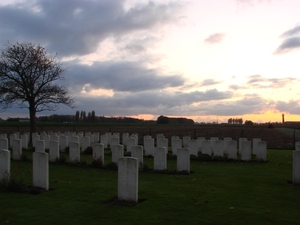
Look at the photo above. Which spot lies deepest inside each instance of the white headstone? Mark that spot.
(128, 175)
(40, 170)
(149, 146)
(199, 141)
(117, 152)
(206, 147)
(130, 142)
(261, 150)
(232, 149)
(185, 141)
(54, 153)
(98, 152)
(226, 139)
(176, 144)
(63, 143)
(74, 152)
(4, 143)
(85, 143)
(183, 159)
(218, 149)
(137, 151)
(160, 158)
(16, 149)
(296, 167)
(125, 136)
(24, 140)
(255, 145)
(39, 146)
(4, 163)
(193, 147)
(245, 150)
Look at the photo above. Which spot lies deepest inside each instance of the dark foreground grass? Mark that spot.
(215, 193)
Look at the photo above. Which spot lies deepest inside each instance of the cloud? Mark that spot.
(215, 38)
(209, 82)
(290, 42)
(288, 45)
(77, 27)
(119, 76)
(258, 81)
(291, 32)
(292, 106)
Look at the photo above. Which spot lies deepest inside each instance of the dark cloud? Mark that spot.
(121, 76)
(292, 107)
(258, 81)
(288, 45)
(249, 105)
(290, 42)
(77, 27)
(291, 32)
(215, 38)
(209, 82)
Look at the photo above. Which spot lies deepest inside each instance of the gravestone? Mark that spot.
(4, 143)
(24, 141)
(183, 159)
(85, 143)
(12, 137)
(117, 152)
(232, 149)
(63, 143)
(114, 141)
(225, 141)
(46, 139)
(35, 137)
(103, 140)
(241, 142)
(74, 152)
(98, 152)
(206, 147)
(185, 141)
(296, 167)
(125, 136)
(245, 150)
(40, 170)
(137, 152)
(160, 158)
(128, 175)
(218, 149)
(130, 142)
(255, 145)
(261, 150)
(163, 142)
(149, 146)
(4, 164)
(54, 153)
(199, 141)
(193, 147)
(39, 146)
(175, 145)
(16, 149)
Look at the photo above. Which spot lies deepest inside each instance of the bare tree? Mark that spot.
(29, 78)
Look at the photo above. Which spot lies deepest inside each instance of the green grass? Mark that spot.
(215, 193)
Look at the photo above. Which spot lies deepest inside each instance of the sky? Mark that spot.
(204, 60)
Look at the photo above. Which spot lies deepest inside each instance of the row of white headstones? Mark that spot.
(128, 167)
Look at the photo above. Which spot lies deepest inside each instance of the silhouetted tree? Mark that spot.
(28, 78)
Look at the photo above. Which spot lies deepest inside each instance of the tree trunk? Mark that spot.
(32, 113)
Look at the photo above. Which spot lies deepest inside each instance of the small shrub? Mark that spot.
(88, 151)
(97, 163)
(24, 158)
(12, 185)
(111, 166)
(61, 160)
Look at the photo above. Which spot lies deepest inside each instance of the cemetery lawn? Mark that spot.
(214, 193)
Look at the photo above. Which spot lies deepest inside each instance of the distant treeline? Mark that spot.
(168, 120)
